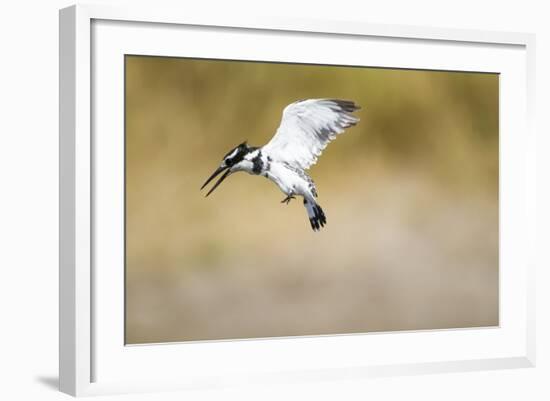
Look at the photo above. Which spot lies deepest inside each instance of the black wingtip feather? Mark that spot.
(346, 105)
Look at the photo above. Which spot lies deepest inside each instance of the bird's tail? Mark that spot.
(316, 215)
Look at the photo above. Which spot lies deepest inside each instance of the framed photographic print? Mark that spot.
(265, 200)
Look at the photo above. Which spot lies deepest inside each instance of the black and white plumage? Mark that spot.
(306, 128)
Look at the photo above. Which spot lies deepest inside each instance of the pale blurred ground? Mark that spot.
(411, 197)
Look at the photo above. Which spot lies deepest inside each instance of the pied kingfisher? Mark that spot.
(306, 128)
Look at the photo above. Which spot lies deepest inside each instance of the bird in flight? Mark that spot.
(306, 128)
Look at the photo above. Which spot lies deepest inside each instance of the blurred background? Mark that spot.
(410, 194)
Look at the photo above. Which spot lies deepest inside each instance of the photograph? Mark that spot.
(266, 199)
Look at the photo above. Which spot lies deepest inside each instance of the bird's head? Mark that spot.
(229, 164)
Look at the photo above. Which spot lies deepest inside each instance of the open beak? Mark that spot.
(223, 177)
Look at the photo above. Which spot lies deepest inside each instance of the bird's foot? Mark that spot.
(288, 198)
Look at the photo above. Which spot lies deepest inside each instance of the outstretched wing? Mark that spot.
(306, 129)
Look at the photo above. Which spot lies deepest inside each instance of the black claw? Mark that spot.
(288, 198)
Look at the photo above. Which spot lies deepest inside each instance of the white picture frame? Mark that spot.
(93, 357)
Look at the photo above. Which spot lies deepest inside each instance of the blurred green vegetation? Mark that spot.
(417, 177)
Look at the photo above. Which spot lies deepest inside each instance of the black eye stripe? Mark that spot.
(242, 150)
(235, 159)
